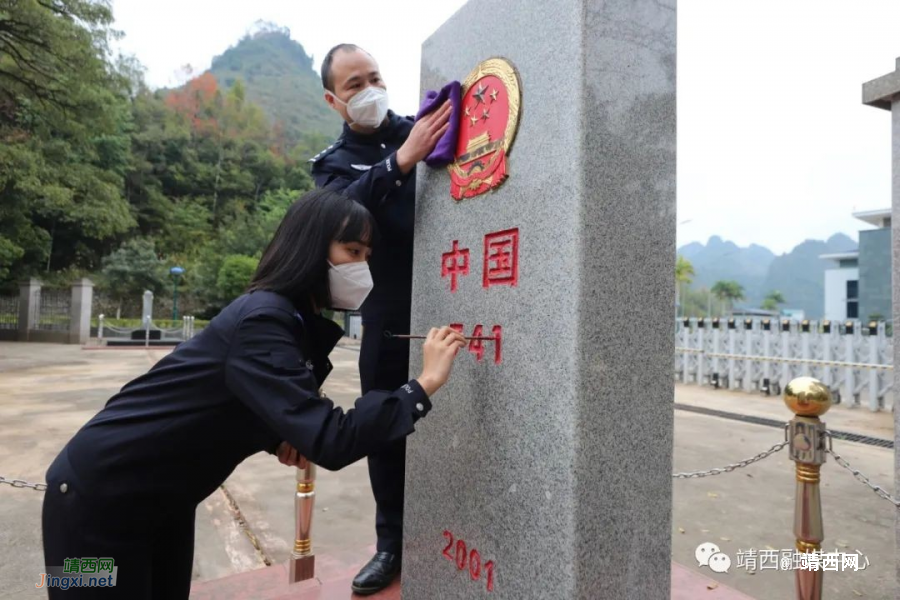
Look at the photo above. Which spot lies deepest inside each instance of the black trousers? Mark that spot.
(153, 548)
(384, 365)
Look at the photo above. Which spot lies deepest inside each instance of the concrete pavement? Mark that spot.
(48, 391)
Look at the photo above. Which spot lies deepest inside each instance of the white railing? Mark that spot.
(853, 359)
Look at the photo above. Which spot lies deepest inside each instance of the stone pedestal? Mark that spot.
(80, 315)
(147, 309)
(544, 470)
(884, 92)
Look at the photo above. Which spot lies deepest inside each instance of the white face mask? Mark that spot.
(350, 284)
(368, 107)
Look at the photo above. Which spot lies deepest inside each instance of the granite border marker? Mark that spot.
(554, 465)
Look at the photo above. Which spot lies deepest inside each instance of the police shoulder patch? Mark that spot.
(337, 144)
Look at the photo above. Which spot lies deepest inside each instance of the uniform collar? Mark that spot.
(386, 132)
(324, 333)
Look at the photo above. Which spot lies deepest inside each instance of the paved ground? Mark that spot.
(48, 391)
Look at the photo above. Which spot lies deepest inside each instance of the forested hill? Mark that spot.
(279, 77)
(102, 177)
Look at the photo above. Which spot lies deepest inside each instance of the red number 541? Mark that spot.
(476, 347)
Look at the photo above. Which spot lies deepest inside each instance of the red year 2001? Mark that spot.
(461, 556)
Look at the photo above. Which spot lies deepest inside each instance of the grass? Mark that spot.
(46, 320)
(138, 324)
(95, 322)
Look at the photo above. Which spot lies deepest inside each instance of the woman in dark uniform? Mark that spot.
(127, 485)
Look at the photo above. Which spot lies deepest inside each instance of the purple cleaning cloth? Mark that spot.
(445, 151)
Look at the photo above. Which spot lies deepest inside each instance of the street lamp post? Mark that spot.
(176, 273)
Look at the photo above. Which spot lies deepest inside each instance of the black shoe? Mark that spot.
(377, 574)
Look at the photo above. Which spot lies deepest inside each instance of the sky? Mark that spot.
(774, 143)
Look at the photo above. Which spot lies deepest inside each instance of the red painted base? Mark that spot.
(333, 583)
(271, 584)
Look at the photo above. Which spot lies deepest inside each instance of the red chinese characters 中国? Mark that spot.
(455, 263)
(501, 258)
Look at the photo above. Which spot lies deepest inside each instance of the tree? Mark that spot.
(235, 276)
(188, 228)
(684, 273)
(231, 140)
(52, 50)
(728, 292)
(695, 303)
(773, 300)
(64, 136)
(131, 270)
(9, 254)
(90, 157)
(684, 270)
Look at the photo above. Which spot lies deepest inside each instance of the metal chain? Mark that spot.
(859, 476)
(41, 487)
(731, 467)
(21, 483)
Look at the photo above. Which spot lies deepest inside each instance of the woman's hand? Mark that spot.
(439, 351)
(288, 455)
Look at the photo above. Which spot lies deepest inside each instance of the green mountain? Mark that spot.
(279, 77)
(719, 260)
(798, 274)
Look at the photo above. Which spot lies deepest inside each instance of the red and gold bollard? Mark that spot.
(303, 561)
(808, 398)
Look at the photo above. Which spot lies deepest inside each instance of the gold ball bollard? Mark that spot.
(303, 561)
(808, 398)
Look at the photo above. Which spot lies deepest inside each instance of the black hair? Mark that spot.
(327, 83)
(295, 263)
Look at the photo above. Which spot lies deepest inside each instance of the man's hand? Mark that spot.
(424, 137)
(288, 455)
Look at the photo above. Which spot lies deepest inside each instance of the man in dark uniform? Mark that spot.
(374, 162)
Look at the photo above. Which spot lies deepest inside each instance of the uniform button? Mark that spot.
(419, 407)
(309, 365)
(399, 183)
(63, 488)
(383, 146)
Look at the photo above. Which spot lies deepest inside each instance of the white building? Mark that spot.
(858, 285)
(842, 286)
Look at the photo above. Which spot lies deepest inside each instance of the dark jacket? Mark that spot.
(248, 381)
(364, 167)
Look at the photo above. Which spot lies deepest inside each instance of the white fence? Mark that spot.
(854, 359)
